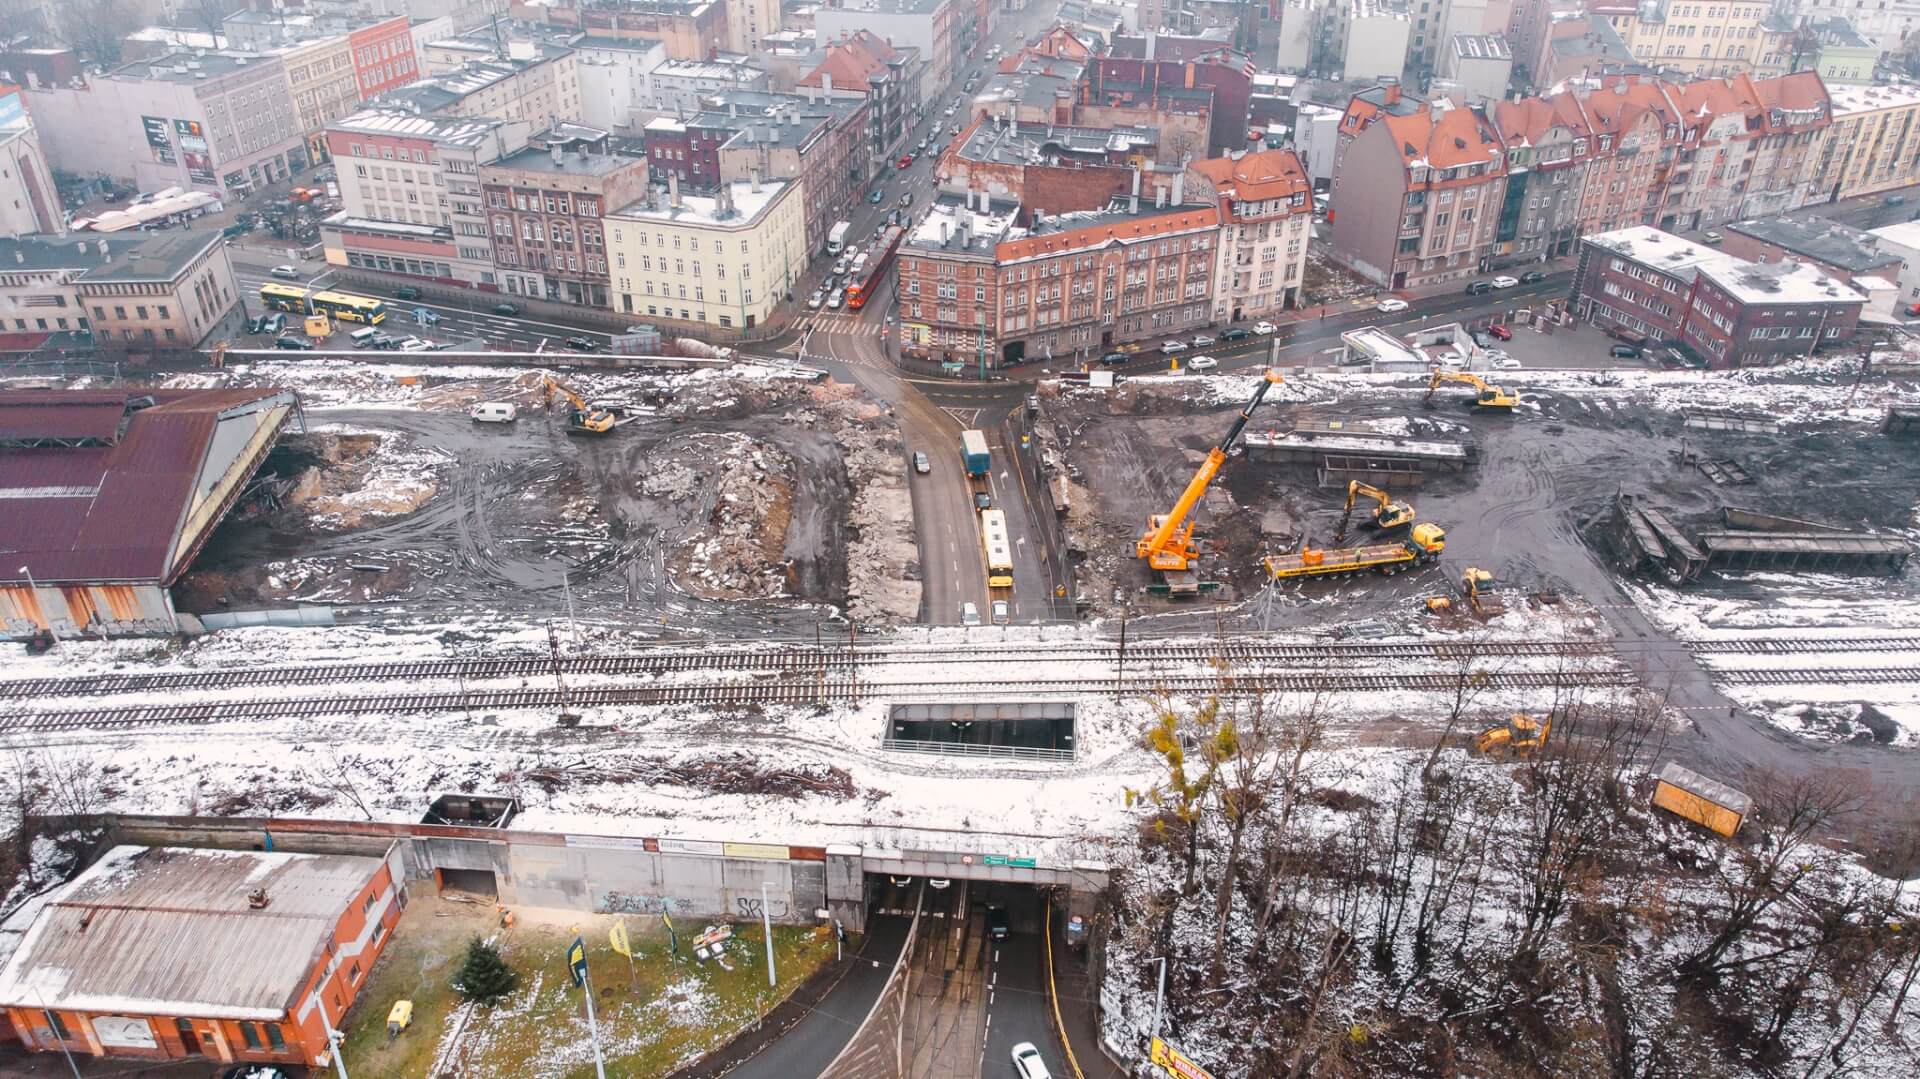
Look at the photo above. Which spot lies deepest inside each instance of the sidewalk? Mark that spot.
(1078, 1003)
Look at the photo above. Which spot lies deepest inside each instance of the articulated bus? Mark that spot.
(993, 526)
(341, 305)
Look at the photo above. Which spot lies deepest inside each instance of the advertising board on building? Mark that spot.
(193, 148)
(160, 138)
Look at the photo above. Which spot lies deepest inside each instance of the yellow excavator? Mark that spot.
(1168, 543)
(1519, 736)
(582, 418)
(1491, 396)
(1476, 585)
(1389, 514)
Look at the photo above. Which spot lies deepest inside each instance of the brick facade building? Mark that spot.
(545, 205)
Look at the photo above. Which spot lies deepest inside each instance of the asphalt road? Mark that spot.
(1017, 1009)
(813, 1042)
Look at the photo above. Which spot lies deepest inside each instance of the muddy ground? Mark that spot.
(1523, 513)
(723, 503)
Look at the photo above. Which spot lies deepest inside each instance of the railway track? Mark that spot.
(789, 661)
(820, 691)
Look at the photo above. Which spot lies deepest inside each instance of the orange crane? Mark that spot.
(1168, 543)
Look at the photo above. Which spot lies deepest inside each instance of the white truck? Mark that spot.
(837, 239)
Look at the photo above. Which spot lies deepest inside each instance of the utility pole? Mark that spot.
(1159, 997)
(53, 1028)
(766, 925)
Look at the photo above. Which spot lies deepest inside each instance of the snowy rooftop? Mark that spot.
(950, 216)
(1848, 99)
(1382, 347)
(448, 130)
(170, 931)
(706, 210)
(1905, 233)
(1663, 251)
(1779, 282)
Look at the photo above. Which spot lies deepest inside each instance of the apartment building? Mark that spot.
(1902, 240)
(615, 93)
(750, 20)
(144, 292)
(1703, 37)
(1873, 144)
(820, 140)
(1647, 285)
(888, 77)
(1266, 225)
(324, 84)
(1441, 165)
(410, 191)
(1549, 146)
(725, 259)
(546, 205)
(536, 83)
(690, 29)
(1479, 66)
(29, 201)
(679, 86)
(1053, 168)
(222, 122)
(973, 290)
(927, 26)
(1844, 253)
(1884, 24)
(383, 56)
(1842, 56)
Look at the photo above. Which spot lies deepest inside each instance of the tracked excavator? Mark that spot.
(1389, 514)
(1168, 543)
(1520, 736)
(582, 418)
(1495, 398)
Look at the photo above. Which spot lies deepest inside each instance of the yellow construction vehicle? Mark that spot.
(1519, 736)
(1477, 586)
(1491, 396)
(1423, 545)
(1168, 543)
(1388, 514)
(582, 418)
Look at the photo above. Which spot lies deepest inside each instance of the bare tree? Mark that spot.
(211, 15)
(96, 28)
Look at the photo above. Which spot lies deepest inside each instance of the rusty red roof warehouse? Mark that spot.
(109, 496)
(229, 955)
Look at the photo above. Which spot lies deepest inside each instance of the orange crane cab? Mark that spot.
(1168, 543)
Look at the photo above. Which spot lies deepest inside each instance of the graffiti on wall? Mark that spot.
(750, 908)
(615, 902)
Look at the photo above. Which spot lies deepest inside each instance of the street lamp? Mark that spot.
(32, 586)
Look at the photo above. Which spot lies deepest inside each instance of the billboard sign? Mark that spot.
(13, 110)
(159, 138)
(192, 140)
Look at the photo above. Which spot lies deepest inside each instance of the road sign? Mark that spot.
(577, 961)
(1016, 863)
(1174, 1064)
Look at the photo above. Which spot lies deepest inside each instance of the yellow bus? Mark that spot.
(993, 527)
(343, 306)
(350, 308)
(284, 298)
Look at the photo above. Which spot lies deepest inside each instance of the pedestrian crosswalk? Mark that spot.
(841, 325)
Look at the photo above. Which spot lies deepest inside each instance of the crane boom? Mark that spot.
(1168, 543)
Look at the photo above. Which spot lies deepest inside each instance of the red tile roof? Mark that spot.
(104, 512)
(1269, 174)
(1098, 235)
(850, 61)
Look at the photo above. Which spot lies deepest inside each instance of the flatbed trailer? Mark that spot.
(1383, 558)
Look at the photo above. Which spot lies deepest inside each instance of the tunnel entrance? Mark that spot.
(1026, 730)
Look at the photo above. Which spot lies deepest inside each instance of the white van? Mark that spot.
(494, 412)
(363, 338)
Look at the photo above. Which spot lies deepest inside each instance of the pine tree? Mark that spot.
(484, 977)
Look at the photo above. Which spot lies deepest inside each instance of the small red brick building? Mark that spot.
(165, 953)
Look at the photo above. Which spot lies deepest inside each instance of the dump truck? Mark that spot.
(1422, 546)
(973, 453)
(1701, 800)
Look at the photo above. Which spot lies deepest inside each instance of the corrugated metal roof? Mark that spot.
(168, 931)
(64, 415)
(106, 513)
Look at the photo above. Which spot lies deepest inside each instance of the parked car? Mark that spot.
(290, 273)
(1235, 333)
(1479, 288)
(969, 615)
(1265, 328)
(1114, 359)
(275, 323)
(1624, 352)
(1172, 347)
(1506, 363)
(1501, 331)
(1027, 1063)
(1202, 363)
(877, 195)
(906, 161)
(493, 412)
(256, 324)
(1895, 200)
(406, 292)
(505, 310)
(921, 463)
(1495, 355)
(1201, 340)
(235, 230)
(414, 344)
(1503, 281)
(583, 344)
(1711, 237)
(1390, 305)
(814, 301)
(1033, 404)
(1002, 612)
(300, 343)
(1532, 276)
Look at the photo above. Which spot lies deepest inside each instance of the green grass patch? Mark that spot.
(668, 1010)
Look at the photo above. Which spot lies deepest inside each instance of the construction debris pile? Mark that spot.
(744, 490)
(361, 476)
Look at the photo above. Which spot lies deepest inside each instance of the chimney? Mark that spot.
(103, 247)
(1392, 91)
(673, 190)
(1133, 200)
(19, 255)
(944, 226)
(826, 83)
(753, 176)
(733, 108)
(1179, 185)
(1151, 36)
(1036, 219)
(1159, 196)
(559, 155)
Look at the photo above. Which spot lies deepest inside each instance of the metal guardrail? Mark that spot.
(964, 749)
